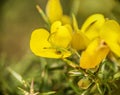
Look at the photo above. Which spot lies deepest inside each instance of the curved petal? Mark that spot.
(61, 38)
(55, 26)
(60, 35)
(94, 54)
(110, 32)
(79, 41)
(92, 26)
(54, 10)
(41, 47)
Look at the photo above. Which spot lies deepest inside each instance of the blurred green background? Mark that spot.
(18, 18)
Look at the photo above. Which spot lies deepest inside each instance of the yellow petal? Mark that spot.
(92, 26)
(110, 32)
(55, 26)
(41, 47)
(61, 38)
(66, 19)
(94, 54)
(79, 41)
(54, 10)
(69, 27)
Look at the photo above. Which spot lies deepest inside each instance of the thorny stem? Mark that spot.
(31, 87)
(43, 15)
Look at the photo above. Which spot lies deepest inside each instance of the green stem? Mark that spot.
(43, 15)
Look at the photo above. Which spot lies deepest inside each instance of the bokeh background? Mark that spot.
(18, 18)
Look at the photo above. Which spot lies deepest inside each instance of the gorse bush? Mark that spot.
(68, 59)
(96, 46)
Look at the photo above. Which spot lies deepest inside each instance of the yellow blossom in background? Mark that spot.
(94, 54)
(51, 45)
(54, 12)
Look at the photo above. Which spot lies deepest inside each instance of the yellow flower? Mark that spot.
(88, 38)
(96, 51)
(51, 45)
(110, 32)
(92, 26)
(104, 36)
(89, 31)
(54, 12)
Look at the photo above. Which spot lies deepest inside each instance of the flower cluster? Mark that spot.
(92, 50)
(94, 41)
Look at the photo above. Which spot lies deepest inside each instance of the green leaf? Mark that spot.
(117, 75)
